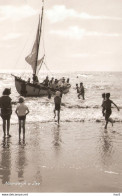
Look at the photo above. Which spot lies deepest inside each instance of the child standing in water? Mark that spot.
(107, 105)
(81, 91)
(57, 101)
(21, 111)
(6, 110)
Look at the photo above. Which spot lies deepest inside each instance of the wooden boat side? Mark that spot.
(31, 90)
(34, 90)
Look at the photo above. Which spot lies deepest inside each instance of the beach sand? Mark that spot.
(72, 157)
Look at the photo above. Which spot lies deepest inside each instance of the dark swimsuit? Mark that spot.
(108, 113)
(57, 107)
(57, 103)
(22, 117)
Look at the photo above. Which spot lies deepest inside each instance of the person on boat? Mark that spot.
(64, 83)
(107, 105)
(57, 101)
(6, 110)
(55, 84)
(21, 111)
(46, 81)
(68, 80)
(103, 108)
(52, 80)
(81, 91)
(50, 84)
(35, 79)
(59, 83)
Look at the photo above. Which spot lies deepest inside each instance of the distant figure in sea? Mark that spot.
(6, 110)
(107, 111)
(21, 111)
(81, 91)
(103, 107)
(57, 101)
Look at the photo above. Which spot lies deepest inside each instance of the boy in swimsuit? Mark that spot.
(107, 105)
(81, 91)
(21, 111)
(57, 101)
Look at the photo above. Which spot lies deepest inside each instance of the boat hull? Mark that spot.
(34, 90)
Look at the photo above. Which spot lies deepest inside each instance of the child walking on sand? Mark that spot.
(21, 111)
(57, 101)
(107, 105)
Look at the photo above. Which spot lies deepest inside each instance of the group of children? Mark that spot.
(6, 112)
(22, 110)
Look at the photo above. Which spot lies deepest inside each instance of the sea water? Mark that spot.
(72, 109)
(78, 155)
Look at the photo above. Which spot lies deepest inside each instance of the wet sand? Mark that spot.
(72, 157)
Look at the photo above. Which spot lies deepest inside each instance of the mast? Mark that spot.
(39, 33)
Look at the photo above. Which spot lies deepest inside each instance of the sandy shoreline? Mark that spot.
(72, 157)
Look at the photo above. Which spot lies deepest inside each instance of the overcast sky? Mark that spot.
(79, 35)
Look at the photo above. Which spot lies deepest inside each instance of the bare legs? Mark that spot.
(6, 123)
(82, 94)
(58, 114)
(22, 125)
(108, 119)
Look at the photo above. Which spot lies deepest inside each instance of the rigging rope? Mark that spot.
(24, 45)
(45, 61)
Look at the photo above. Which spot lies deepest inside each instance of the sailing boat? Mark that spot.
(36, 89)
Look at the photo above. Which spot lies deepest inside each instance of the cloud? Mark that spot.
(16, 13)
(11, 36)
(6, 45)
(83, 55)
(78, 33)
(71, 32)
(59, 13)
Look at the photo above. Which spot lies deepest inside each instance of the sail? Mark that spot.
(40, 62)
(32, 58)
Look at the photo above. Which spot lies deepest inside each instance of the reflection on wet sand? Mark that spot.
(57, 137)
(106, 148)
(5, 161)
(58, 158)
(21, 160)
